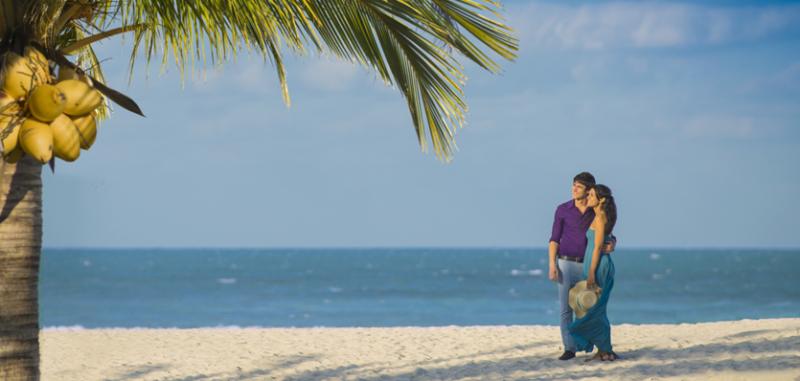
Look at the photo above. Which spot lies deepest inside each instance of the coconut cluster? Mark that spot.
(43, 116)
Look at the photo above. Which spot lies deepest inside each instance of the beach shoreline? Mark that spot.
(764, 349)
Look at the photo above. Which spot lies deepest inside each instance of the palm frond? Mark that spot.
(88, 61)
(210, 30)
(410, 44)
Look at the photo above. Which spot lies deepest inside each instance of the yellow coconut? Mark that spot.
(40, 63)
(81, 98)
(46, 102)
(13, 156)
(36, 138)
(5, 100)
(66, 141)
(10, 140)
(87, 128)
(18, 76)
(9, 133)
(8, 109)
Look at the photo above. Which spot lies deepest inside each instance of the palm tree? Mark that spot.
(410, 44)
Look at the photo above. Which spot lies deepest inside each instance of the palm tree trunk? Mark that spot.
(20, 247)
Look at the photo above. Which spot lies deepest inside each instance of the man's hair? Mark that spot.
(585, 178)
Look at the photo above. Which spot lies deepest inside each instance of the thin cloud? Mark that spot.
(784, 82)
(247, 75)
(719, 126)
(649, 25)
(328, 74)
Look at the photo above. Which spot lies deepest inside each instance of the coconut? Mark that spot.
(66, 141)
(87, 128)
(23, 73)
(8, 109)
(81, 98)
(40, 63)
(36, 139)
(19, 77)
(46, 102)
(5, 101)
(9, 133)
(10, 140)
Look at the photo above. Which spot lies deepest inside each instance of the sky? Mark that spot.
(688, 111)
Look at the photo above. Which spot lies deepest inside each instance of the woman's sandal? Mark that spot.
(604, 356)
(597, 356)
(609, 356)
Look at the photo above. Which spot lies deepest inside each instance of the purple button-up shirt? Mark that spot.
(569, 229)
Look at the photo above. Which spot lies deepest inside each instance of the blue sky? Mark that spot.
(690, 112)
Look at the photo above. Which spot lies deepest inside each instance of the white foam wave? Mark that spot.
(65, 328)
(75, 328)
(226, 280)
(522, 272)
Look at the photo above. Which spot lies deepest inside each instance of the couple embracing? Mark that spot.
(579, 250)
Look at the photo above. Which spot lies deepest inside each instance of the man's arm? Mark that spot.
(552, 250)
(610, 245)
(553, 269)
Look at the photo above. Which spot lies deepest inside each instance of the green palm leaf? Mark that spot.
(410, 44)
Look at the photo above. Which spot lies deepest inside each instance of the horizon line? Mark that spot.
(418, 247)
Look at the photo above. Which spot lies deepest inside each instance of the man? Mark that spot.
(567, 248)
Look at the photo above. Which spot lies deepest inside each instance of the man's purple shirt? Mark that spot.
(569, 229)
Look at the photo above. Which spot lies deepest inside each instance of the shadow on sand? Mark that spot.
(689, 362)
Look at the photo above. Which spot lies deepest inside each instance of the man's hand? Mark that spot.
(553, 273)
(609, 246)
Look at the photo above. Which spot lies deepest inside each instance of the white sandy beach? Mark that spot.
(741, 350)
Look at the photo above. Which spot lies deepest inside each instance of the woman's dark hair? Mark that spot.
(586, 179)
(610, 207)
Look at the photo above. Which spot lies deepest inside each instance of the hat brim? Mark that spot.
(580, 309)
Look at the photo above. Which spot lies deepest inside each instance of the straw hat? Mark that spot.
(581, 298)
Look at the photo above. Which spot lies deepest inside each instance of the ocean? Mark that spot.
(190, 288)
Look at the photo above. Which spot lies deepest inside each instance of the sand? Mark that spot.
(740, 350)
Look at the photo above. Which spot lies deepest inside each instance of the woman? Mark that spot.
(593, 329)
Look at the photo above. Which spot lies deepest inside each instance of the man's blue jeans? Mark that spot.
(569, 273)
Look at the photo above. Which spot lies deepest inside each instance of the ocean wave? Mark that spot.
(79, 328)
(74, 328)
(65, 328)
(522, 272)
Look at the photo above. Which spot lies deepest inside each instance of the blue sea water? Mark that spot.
(397, 287)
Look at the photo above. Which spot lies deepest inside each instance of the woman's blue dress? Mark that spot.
(593, 328)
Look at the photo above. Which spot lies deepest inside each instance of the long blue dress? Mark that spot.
(594, 328)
